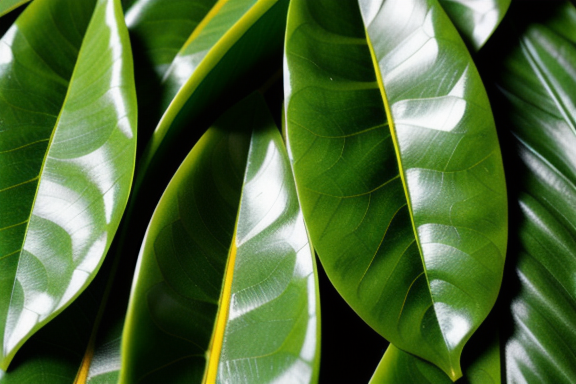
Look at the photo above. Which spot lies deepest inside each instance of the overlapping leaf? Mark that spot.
(398, 168)
(198, 77)
(255, 36)
(67, 109)
(101, 356)
(537, 321)
(476, 20)
(398, 366)
(225, 287)
(162, 28)
(538, 83)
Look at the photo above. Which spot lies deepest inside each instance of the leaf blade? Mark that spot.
(353, 165)
(239, 164)
(536, 74)
(83, 168)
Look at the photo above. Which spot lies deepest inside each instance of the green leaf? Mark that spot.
(537, 85)
(398, 169)
(225, 287)
(252, 39)
(7, 6)
(67, 145)
(476, 20)
(217, 24)
(54, 354)
(171, 40)
(537, 323)
(398, 366)
(162, 28)
(480, 361)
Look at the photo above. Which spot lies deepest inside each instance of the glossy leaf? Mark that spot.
(218, 23)
(171, 41)
(225, 288)
(480, 362)
(398, 366)
(253, 36)
(163, 27)
(540, 294)
(54, 354)
(101, 360)
(398, 168)
(537, 84)
(476, 20)
(10, 5)
(251, 43)
(67, 105)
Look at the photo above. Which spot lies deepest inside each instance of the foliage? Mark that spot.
(156, 227)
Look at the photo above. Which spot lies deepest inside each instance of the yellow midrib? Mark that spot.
(82, 374)
(394, 138)
(200, 27)
(401, 169)
(215, 349)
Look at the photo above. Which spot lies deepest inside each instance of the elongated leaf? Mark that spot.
(163, 27)
(253, 37)
(67, 148)
(476, 20)
(158, 29)
(171, 41)
(398, 168)
(537, 325)
(537, 83)
(255, 40)
(222, 17)
(53, 355)
(10, 5)
(225, 288)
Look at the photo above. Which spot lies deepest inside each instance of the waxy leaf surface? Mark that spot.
(67, 145)
(398, 366)
(197, 78)
(398, 168)
(225, 288)
(537, 83)
(101, 361)
(476, 20)
(162, 28)
(535, 319)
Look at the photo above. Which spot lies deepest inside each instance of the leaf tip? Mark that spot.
(455, 372)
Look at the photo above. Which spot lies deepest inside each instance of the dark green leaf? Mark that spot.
(171, 41)
(537, 84)
(398, 168)
(67, 110)
(253, 37)
(225, 286)
(476, 20)
(163, 27)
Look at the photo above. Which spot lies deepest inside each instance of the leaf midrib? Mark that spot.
(543, 75)
(402, 173)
